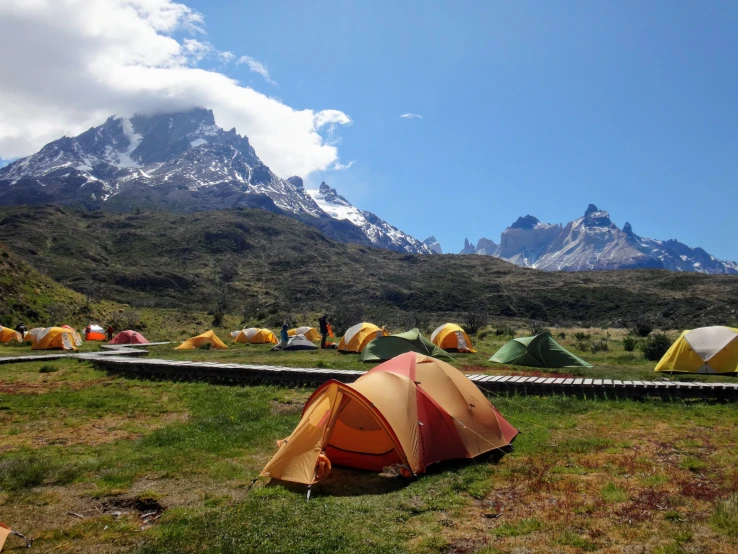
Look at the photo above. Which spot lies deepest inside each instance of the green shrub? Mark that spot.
(599, 346)
(580, 336)
(655, 346)
(538, 328)
(629, 343)
(48, 368)
(206, 346)
(506, 331)
(482, 333)
(562, 335)
(582, 345)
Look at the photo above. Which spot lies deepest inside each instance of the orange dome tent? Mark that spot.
(308, 332)
(52, 338)
(7, 334)
(412, 411)
(208, 337)
(129, 337)
(357, 337)
(254, 336)
(453, 338)
(95, 333)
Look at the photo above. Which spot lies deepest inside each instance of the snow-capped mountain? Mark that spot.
(178, 162)
(379, 232)
(433, 244)
(594, 242)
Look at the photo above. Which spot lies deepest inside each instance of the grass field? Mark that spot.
(96, 463)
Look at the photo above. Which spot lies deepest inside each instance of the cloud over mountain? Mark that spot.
(68, 64)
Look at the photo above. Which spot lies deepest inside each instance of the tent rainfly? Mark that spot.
(358, 336)
(96, 333)
(703, 350)
(129, 337)
(538, 351)
(208, 337)
(7, 334)
(308, 332)
(385, 348)
(53, 338)
(411, 411)
(299, 342)
(254, 336)
(451, 337)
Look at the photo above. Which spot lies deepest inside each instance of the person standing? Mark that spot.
(109, 331)
(22, 329)
(323, 323)
(284, 336)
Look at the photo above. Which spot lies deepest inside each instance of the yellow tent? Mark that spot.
(7, 334)
(357, 337)
(52, 338)
(411, 411)
(703, 350)
(309, 332)
(254, 336)
(208, 337)
(451, 337)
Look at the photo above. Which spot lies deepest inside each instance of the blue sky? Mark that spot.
(527, 107)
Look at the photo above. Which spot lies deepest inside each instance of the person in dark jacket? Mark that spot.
(109, 331)
(22, 329)
(323, 323)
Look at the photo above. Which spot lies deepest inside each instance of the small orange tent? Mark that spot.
(412, 410)
(358, 336)
(208, 337)
(254, 336)
(452, 338)
(7, 334)
(308, 332)
(52, 338)
(95, 333)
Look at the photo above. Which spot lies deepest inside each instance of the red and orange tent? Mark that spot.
(412, 411)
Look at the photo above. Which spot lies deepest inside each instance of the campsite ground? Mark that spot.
(91, 462)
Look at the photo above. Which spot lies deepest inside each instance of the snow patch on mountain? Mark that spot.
(379, 232)
(594, 242)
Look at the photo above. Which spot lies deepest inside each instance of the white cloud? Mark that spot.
(69, 64)
(411, 116)
(257, 67)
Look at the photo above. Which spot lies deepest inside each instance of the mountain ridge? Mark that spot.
(179, 162)
(594, 242)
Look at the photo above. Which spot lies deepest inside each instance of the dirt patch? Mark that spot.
(100, 431)
(287, 407)
(47, 385)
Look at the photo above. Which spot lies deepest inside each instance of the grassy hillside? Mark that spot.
(253, 260)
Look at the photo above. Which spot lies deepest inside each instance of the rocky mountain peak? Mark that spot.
(296, 182)
(468, 248)
(525, 222)
(486, 246)
(594, 217)
(628, 230)
(432, 243)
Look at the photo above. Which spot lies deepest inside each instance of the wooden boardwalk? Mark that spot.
(496, 384)
(132, 360)
(67, 354)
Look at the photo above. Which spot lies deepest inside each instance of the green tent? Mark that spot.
(386, 348)
(539, 351)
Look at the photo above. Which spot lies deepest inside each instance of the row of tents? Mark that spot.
(66, 337)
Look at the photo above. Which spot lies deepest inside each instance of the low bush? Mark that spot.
(48, 368)
(206, 346)
(599, 346)
(580, 336)
(474, 321)
(562, 335)
(582, 345)
(538, 328)
(629, 343)
(655, 346)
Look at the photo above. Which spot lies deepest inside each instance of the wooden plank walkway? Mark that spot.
(496, 384)
(67, 354)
